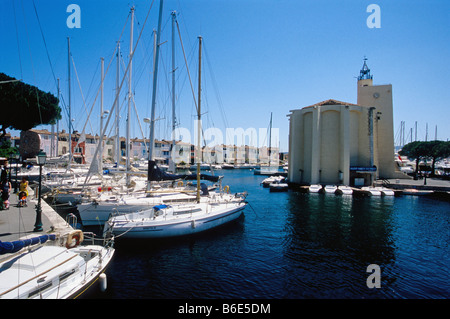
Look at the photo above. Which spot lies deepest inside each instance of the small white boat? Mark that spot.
(385, 191)
(372, 191)
(278, 187)
(344, 190)
(330, 189)
(227, 166)
(272, 179)
(53, 272)
(417, 192)
(163, 221)
(315, 188)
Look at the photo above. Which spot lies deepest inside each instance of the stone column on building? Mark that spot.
(315, 147)
(344, 162)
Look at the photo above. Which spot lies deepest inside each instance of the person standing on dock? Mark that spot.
(23, 192)
(5, 189)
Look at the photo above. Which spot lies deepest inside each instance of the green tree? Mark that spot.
(436, 150)
(25, 106)
(6, 150)
(414, 151)
(439, 150)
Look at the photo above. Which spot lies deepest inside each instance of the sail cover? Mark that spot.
(15, 246)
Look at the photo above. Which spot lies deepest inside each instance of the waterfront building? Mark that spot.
(335, 142)
(182, 153)
(251, 154)
(84, 146)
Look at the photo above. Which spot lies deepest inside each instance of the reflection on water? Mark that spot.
(296, 245)
(330, 241)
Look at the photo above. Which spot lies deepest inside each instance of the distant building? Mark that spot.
(84, 148)
(335, 142)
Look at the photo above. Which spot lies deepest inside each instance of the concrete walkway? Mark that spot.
(18, 222)
(434, 184)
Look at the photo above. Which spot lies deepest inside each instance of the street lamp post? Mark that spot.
(40, 159)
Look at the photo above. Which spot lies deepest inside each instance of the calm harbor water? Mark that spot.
(295, 245)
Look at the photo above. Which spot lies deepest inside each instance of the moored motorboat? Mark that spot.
(330, 189)
(227, 166)
(278, 187)
(272, 179)
(315, 188)
(344, 190)
(417, 192)
(371, 191)
(385, 191)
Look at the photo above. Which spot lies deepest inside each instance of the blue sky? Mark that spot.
(260, 56)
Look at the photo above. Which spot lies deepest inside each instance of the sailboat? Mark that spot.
(40, 268)
(171, 189)
(270, 169)
(162, 221)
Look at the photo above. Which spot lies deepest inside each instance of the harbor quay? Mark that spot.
(435, 187)
(430, 184)
(18, 223)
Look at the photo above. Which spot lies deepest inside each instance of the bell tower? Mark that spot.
(379, 97)
(365, 78)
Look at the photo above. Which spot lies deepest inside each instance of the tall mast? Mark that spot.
(70, 111)
(270, 138)
(415, 132)
(52, 141)
(100, 156)
(129, 102)
(155, 73)
(118, 153)
(57, 123)
(171, 160)
(199, 125)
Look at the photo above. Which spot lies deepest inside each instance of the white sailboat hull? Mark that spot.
(53, 272)
(172, 227)
(95, 213)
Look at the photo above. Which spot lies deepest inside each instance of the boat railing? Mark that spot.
(115, 212)
(90, 237)
(71, 220)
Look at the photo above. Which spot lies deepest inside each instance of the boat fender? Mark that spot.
(226, 189)
(77, 235)
(103, 282)
(193, 224)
